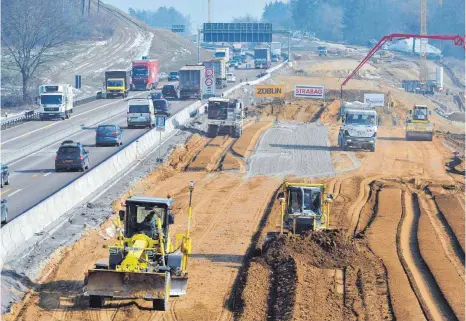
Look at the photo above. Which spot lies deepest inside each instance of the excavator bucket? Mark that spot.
(109, 283)
(419, 131)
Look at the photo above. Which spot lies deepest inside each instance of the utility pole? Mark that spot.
(209, 9)
(98, 6)
(82, 7)
(199, 45)
(89, 7)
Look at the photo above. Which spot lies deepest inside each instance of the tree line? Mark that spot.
(357, 21)
(163, 17)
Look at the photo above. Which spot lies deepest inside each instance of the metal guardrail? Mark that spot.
(34, 115)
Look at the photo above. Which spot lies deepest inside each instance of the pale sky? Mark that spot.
(222, 10)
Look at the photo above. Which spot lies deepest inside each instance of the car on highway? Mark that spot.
(161, 106)
(109, 135)
(170, 91)
(5, 175)
(231, 77)
(174, 76)
(71, 156)
(155, 95)
(4, 211)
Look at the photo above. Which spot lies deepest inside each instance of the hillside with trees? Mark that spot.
(357, 21)
(163, 17)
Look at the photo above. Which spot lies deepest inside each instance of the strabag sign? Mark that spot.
(305, 91)
(374, 100)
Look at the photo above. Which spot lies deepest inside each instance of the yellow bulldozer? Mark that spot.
(418, 125)
(143, 264)
(304, 207)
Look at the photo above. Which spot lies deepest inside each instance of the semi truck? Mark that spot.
(144, 74)
(322, 51)
(275, 51)
(223, 53)
(56, 101)
(359, 126)
(192, 81)
(117, 83)
(225, 115)
(262, 58)
(220, 68)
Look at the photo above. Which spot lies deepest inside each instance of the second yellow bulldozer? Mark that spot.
(143, 264)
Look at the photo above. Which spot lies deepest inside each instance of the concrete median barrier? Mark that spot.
(16, 233)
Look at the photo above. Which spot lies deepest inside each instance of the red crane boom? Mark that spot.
(457, 40)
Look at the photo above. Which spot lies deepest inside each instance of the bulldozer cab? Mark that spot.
(304, 200)
(303, 207)
(142, 213)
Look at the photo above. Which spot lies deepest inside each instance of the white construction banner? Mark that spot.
(374, 100)
(305, 91)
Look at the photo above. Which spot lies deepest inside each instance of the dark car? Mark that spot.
(154, 95)
(71, 155)
(110, 135)
(161, 106)
(173, 76)
(4, 211)
(5, 174)
(171, 91)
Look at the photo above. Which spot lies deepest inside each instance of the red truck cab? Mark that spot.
(144, 74)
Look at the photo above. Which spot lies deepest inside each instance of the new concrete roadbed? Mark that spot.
(293, 149)
(33, 178)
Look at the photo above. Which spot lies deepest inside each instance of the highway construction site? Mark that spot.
(394, 247)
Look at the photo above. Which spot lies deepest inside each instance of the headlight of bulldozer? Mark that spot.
(150, 253)
(113, 250)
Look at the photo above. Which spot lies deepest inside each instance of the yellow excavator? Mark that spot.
(418, 125)
(143, 264)
(304, 207)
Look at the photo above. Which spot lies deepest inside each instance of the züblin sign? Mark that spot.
(265, 91)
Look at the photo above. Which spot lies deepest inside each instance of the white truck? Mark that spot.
(220, 68)
(56, 101)
(275, 51)
(223, 53)
(225, 115)
(359, 126)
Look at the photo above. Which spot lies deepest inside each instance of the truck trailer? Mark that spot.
(262, 58)
(117, 83)
(192, 81)
(145, 74)
(56, 101)
(220, 69)
(223, 53)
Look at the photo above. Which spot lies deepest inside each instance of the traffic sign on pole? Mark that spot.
(160, 122)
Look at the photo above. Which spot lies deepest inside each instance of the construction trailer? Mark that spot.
(143, 264)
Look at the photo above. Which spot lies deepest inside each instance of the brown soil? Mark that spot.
(246, 143)
(209, 157)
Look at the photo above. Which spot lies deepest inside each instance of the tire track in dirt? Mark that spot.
(444, 233)
(423, 283)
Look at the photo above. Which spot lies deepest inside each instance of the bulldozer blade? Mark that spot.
(178, 285)
(109, 283)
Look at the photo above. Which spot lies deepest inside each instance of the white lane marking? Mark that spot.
(56, 123)
(47, 174)
(17, 191)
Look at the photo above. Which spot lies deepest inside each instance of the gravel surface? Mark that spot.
(300, 149)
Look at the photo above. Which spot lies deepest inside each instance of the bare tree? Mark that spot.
(31, 29)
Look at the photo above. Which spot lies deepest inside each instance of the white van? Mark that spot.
(140, 113)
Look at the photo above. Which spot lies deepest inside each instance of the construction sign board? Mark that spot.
(270, 91)
(374, 100)
(307, 91)
(209, 82)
